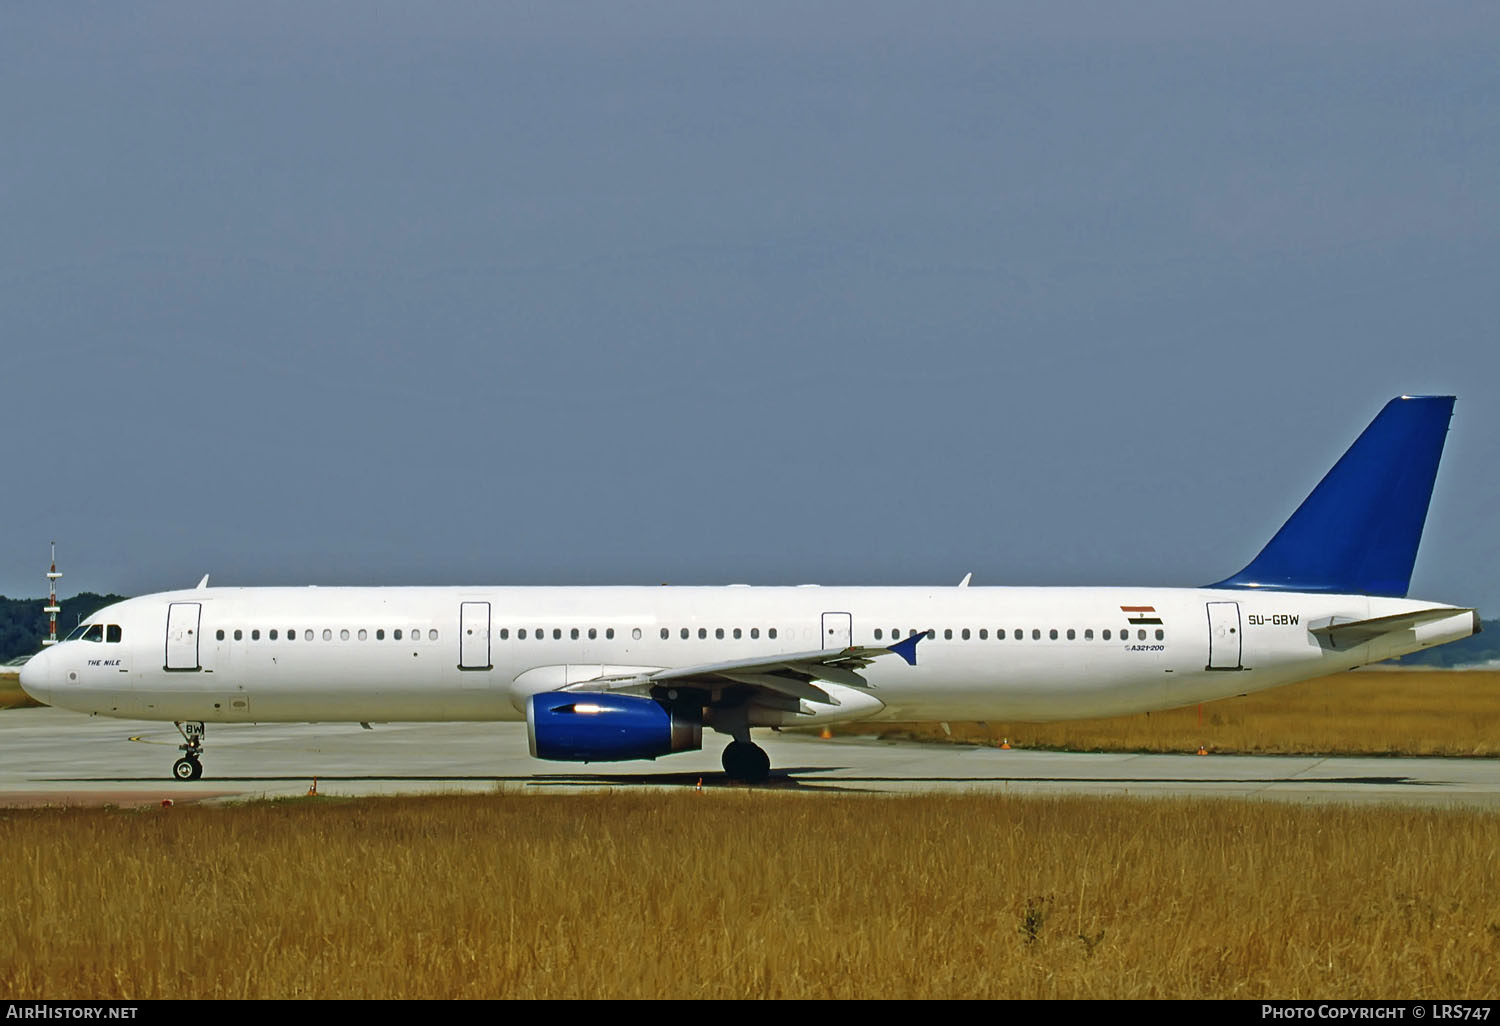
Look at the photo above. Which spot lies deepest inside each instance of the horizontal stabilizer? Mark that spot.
(1349, 633)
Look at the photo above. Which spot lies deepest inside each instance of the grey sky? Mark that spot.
(851, 293)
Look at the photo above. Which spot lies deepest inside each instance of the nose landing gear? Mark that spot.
(190, 766)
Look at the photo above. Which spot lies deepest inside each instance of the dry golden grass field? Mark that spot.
(746, 893)
(1370, 712)
(1373, 712)
(11, 695)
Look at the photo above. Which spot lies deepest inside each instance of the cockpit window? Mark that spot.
(112, 633)
(77, 632)
(95, 632)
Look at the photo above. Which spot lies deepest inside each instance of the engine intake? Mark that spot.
(573, 726)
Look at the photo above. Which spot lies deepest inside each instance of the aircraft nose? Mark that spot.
(36, 677)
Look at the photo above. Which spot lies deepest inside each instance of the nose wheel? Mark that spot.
(190, 766)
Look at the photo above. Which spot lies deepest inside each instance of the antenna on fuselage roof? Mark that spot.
(202, 584)
(967, 577)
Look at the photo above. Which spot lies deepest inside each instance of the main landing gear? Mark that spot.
(746, 761)
(190, 766)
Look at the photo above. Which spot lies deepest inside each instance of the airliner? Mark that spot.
(604, 674)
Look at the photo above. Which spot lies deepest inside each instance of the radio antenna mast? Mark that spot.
(52, 608)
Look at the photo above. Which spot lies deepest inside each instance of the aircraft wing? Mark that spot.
(1349, 633)
(794, 674)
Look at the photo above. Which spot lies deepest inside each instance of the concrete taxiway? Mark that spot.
(53, 757)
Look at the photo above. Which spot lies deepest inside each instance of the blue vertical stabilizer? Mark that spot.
(1357, 533)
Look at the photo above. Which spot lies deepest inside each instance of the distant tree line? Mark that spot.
(23, 625)
(1471, 651)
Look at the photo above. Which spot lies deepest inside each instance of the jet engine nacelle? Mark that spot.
(579, 726)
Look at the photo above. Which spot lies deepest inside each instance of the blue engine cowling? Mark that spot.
(584, 727)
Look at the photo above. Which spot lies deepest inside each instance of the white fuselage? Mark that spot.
(332, 654)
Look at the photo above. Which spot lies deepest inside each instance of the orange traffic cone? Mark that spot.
(825, 734)
(700, 785)
(1005, 743)
(312, 792)
(1202, 750)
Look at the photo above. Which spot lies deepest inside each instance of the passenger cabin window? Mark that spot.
(609, 634)
(219, 634)
(755, 632)
(665, 634)
(396, 634)
(239, 635)
(1071, 634)
(1088, 634)
(1160, 634)
(771, 633)
(635, 633)
(684, 634)
(593, 633)
(877, 633)
(344, 634)
(307, 635)
(255, 634)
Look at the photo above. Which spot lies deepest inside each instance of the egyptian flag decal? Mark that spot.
(1141, 614)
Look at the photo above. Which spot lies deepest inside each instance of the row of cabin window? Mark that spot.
(576, 633)
(415, 634)
(1036, 634)
(97, 632)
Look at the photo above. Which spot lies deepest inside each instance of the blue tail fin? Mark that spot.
(1357, 533)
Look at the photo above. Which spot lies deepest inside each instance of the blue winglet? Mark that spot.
(908, 649)
(1357, 533)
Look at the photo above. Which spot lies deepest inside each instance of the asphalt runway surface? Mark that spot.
(53, 757)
